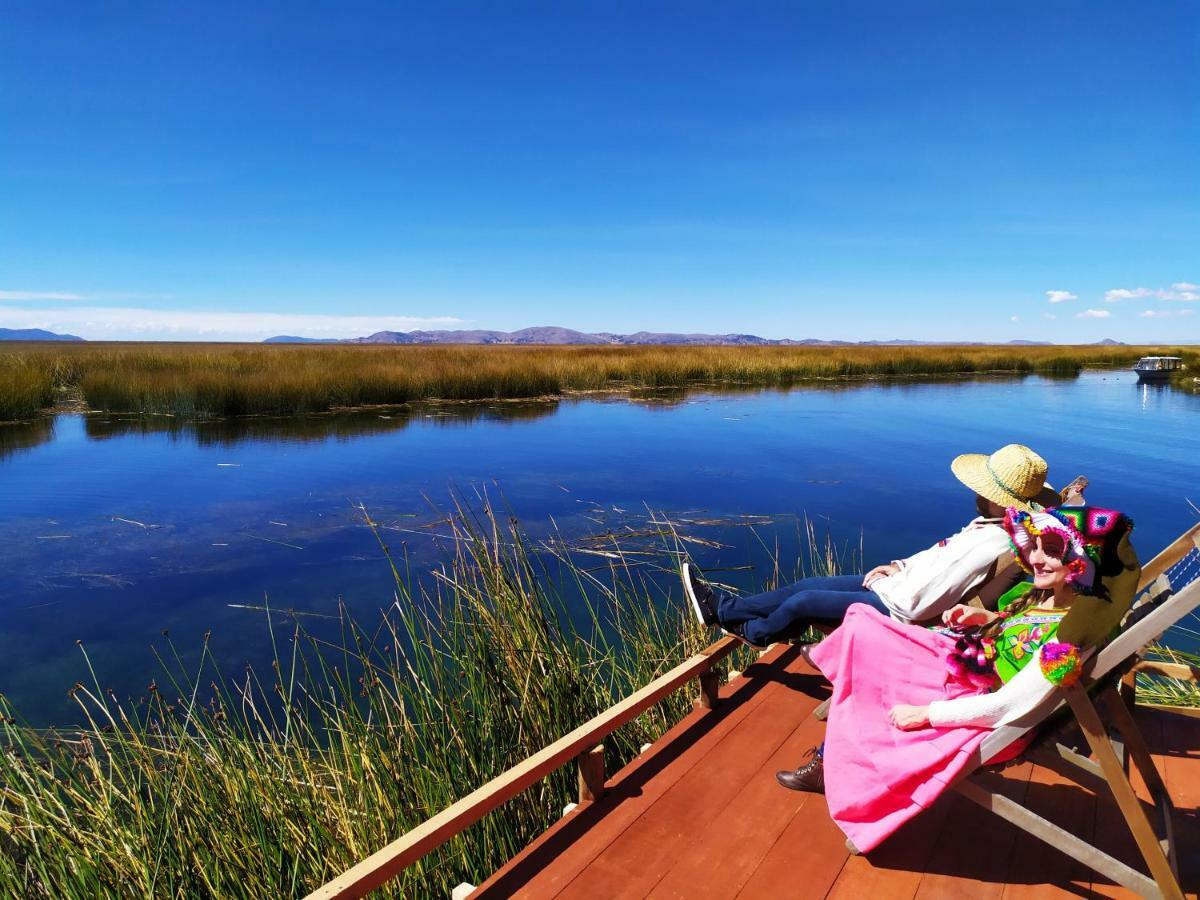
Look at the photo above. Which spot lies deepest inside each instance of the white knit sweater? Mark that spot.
(1023, 693)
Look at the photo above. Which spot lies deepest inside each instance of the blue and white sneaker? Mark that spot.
(700, 594)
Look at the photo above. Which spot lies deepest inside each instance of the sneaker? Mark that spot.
(745, 640)
(809, 777)
(700, 595)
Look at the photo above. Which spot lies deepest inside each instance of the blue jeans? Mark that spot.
(785, 612)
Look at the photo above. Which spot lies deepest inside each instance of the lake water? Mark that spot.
(111, 531)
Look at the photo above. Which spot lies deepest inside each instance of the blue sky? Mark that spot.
(850, 170)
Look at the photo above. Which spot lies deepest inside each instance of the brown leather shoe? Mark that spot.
(809, 777)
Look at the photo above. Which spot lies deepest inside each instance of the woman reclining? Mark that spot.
(915, 589)
(911, 704)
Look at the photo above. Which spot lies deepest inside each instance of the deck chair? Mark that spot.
(1169, 589)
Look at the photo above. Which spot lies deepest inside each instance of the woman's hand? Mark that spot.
(962, 616)
(880, 572)
(909, 718)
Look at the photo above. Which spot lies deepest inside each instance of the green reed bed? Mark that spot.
(270, 783)
(212, 380)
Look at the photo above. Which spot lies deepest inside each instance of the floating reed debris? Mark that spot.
(191, 381)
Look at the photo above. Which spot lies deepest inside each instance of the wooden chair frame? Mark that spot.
(1110, 755)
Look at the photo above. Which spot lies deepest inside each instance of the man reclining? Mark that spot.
(971, 563)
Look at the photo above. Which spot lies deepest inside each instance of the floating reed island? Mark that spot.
(214, 380)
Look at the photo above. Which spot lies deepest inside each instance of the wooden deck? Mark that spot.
(699, 815)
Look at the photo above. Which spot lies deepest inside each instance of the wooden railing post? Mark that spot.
(710, 685)
(591, 774)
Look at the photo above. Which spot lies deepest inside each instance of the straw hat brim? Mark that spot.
(972, 470)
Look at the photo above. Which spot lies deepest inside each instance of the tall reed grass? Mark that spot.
(212, 380)
(269, 783)
(27, 385)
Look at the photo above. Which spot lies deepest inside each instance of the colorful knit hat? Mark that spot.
(1097, 614)
(1060, 539)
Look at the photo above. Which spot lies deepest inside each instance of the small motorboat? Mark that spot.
(1157, 368)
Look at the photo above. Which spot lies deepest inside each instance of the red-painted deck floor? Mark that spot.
(699, 815)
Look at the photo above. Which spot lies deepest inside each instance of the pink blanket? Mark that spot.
(877, 777)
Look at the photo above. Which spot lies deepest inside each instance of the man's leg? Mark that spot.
(803, 608)
(733, 611)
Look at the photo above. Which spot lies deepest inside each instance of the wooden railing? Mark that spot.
(401, 853)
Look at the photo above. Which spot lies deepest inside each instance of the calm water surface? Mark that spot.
(112, 531)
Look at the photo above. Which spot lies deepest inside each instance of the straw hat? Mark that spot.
(1012, 476)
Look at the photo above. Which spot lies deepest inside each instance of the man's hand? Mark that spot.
(880, 572)
(962, 616)
(909, 718)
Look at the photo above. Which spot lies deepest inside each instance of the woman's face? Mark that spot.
(1046, 560)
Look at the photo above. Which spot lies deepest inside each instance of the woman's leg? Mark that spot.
(733, 611)
(804, 607)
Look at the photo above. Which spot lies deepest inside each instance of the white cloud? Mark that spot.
(1050, 316)
(129, 323)
(1119, 294)
(1093, 314)
(1060, 296)
(1181, 290)
(40, 295)
(1165, 313)
(1015, 319)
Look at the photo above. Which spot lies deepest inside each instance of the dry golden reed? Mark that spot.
(212, 380)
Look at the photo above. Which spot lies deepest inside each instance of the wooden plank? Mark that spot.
(895, 868)
(404, 851)
(724, 851)
(591, 775)
(637, 860)
(1177, 752)
(1038, 870)
(1168, 670)
(1135, 742)
(1123, 793)
(1068, 843)
(1111, 834)
(808, 856)
(962, 865)
(555, 858)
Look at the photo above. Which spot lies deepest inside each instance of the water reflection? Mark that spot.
(19, 436)
(338, 426)
(346, 425)
(113, 528)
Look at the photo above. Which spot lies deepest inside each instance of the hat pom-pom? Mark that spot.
(1060, 663)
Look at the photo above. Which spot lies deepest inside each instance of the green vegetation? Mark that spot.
(191, 381)
(1158, 690)
(269, 784)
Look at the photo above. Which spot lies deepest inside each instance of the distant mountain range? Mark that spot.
(557, 335)
(34, 334)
